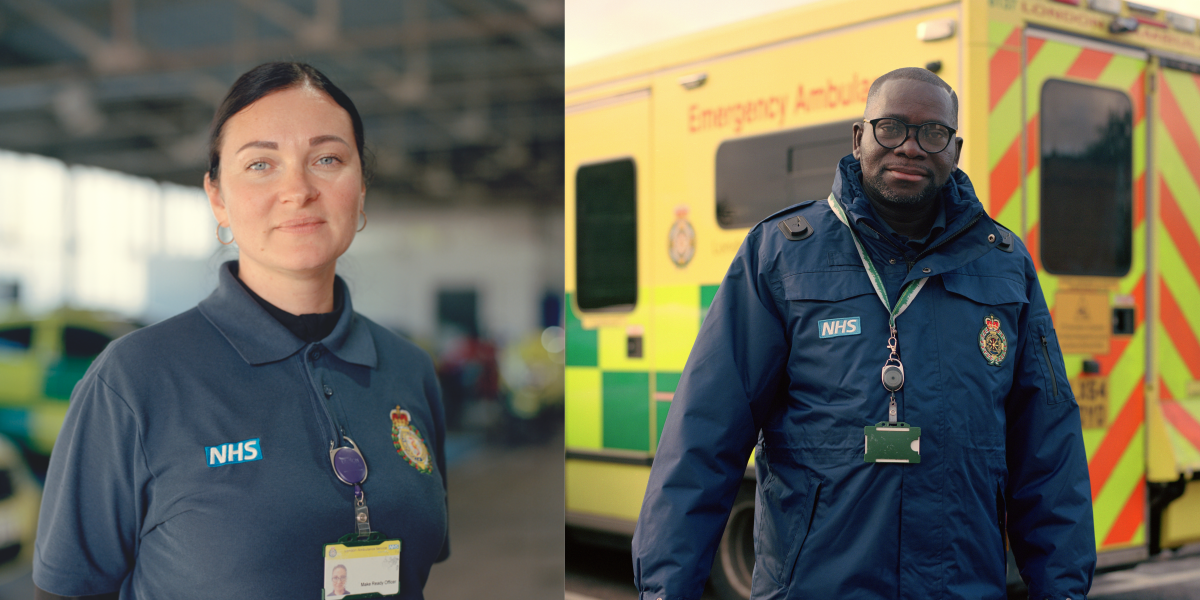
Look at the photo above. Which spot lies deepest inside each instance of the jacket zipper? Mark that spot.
(947, 239)
(930, 249)
(1050, 366)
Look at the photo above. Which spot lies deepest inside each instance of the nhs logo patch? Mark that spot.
(233, 453)
(839, 327)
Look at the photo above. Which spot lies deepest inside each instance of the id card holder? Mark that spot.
(892, 443)
(368, 568)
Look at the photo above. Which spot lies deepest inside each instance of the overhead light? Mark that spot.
(1112, 7)
(693, 81)
(938, 29)
(1182, 23)
(1123, 25)
(1142, 8)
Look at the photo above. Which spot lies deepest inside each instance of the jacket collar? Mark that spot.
(959, 203)
(260, 339)
(957, 197)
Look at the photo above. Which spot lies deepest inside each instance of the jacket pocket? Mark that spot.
(783, 517)
(1050, 360)
(827, 286)
(988, 291)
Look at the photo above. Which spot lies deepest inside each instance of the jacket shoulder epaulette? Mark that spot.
(1008, 239)
(793, 226)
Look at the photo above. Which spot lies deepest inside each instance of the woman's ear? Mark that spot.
(216, 201)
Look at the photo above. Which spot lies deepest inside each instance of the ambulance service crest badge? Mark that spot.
(408, 441)
(681, 241)
(992, 341)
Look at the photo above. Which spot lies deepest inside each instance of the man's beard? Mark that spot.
(882, 191)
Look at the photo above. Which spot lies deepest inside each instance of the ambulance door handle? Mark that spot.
(633, 346)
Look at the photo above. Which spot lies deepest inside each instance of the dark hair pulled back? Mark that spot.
(266, 79)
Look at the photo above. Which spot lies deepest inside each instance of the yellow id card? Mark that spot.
(362, 571)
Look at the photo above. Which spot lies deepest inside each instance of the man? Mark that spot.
(894, 445)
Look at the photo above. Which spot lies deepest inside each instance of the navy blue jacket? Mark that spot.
(135, 501)
(1000, 445)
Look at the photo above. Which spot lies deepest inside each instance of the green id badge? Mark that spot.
(897, 443)
(368, 568)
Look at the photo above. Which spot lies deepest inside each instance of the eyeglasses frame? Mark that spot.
(908, 127)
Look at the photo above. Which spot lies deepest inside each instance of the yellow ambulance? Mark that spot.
(1081, 121)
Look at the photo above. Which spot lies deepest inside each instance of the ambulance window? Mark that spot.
(757, 176)
(1087, 180)
(83, 343)
(16, 338)
(606, 236)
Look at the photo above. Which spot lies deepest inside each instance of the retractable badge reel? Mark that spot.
(365, 563)
(892, 441)
(351, 468)
(893, 375)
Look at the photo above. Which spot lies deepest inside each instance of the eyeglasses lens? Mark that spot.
(931, 137)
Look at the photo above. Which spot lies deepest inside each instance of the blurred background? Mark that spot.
(104, 114)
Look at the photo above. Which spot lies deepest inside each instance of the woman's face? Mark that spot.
(290, 184)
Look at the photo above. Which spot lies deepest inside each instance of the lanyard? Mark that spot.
(893, 370)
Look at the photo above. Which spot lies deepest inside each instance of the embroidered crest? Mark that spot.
(681, 241)
(992, 342)
(408, 441)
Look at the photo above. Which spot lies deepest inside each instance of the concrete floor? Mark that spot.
(506, 526)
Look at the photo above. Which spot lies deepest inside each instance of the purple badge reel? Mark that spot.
(362, 564)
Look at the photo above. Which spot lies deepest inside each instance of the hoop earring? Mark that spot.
(364, 220)
(223, 242)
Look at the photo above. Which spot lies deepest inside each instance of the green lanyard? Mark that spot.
(893, 370)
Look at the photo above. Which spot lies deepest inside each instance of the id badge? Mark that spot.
(361, 569)
(897, 443)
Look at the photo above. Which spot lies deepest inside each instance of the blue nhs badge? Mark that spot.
(839, 327)
(233, 453)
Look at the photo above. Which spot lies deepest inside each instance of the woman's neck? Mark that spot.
(298, 294)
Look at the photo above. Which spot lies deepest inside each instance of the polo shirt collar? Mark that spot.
(260, 339)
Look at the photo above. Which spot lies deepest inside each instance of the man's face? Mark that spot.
(906, 174)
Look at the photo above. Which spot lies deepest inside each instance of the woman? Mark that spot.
(197, 457)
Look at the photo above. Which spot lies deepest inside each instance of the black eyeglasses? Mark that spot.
(932, 137)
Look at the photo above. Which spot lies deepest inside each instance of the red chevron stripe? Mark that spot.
(1033, 45)
(1137, 92)
(1004, 69)
(1116, 441)
(1089, 64)
(1005, 178)
(1177, 227)
(1131, 516)
(1179, 129)
(1178, 329)
(1033, 148)
(1182, 420)
(1164, 393)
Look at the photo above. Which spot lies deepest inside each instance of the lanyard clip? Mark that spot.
(362, 521)
(892, 411)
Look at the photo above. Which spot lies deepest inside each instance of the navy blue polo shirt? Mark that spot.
(132, 504)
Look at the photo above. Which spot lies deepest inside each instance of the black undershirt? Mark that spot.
(312, 327)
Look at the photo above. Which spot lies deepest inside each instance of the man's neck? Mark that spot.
(912, 221)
